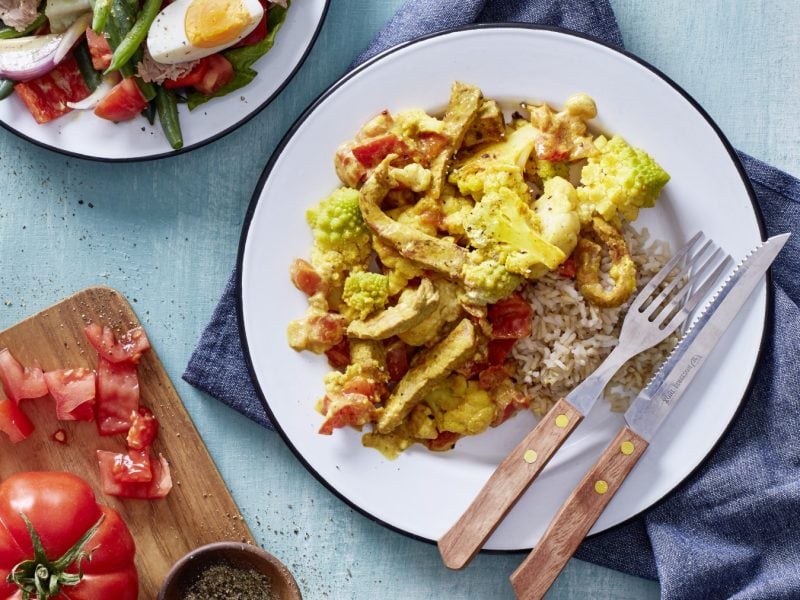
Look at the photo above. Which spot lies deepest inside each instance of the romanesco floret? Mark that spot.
(497, 165)
(487, 281)
(365, 292)
(547, 169)
(619, 180)
(341, 237)
(504, 227)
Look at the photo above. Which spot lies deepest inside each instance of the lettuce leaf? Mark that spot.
(243, 59)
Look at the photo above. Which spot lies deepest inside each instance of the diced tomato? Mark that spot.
(124, 102)
(129, 348)
(339, 355)
(492, 377)
(373, 151)
(13, 422)
(99, 50)
(305, 278)
(218, 73)
(510, 318)
(431, 144)
(191, 79)
(327, 329)
(360, 385)
(498, 350)
(355, 410)
(20, 383)
(46, 97)
(568, 269)
(74, 392)
(396, 359)
(259, 33)
(144, 429)
(443, 442)
(158, 487)
(117, 396)
(133, 466)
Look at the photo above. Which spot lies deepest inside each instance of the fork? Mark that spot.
(658, 310)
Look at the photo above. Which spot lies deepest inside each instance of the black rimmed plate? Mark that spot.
(422, 493)
(81, 134)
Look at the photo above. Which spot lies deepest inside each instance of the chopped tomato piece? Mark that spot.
(132, 467)
(431, 144)
(259, 33)
(396, 359)
(218, 73)
(339, 355)
(355, 410)
(124, 102)
(18, 382)
(46, 97)
(13, 422)
(326, 330)
(361, 385)
(158, 487)
(443, 442)
(305, 278)
(372, 152)
(510, 318)
(144, 429)
(129, 348)
(74, 392)
(99, 50)
(191, 79)
(499, 349)
(492, 377)
(568, 269)
(117, 396)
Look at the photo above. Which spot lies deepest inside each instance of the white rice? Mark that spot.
(571, 337)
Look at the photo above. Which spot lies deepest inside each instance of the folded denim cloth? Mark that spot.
(731, 530)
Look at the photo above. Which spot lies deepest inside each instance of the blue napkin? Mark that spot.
(732, 530)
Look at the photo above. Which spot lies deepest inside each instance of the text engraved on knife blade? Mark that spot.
(674, 386)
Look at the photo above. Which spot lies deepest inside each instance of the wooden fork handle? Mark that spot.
(573, 521)
(511, 478)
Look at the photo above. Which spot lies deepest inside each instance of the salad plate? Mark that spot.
(82, 134)
(421, 493)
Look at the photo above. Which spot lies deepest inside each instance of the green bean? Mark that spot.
(136, 36)
(84, 59)
(149, 113)
(102, 8)
(168, 115)
(9, 33)
(148, 89)
(6, 87)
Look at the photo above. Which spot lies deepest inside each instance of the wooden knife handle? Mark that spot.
(511, 478)
(573, 521)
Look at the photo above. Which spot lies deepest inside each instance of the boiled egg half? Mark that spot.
(191, 29)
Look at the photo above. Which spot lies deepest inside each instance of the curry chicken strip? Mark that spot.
(432, 367)
(414, 305)
(438, 254)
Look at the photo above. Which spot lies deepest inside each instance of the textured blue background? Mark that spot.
(166, 233)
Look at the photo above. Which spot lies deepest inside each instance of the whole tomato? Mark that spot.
(57, 543)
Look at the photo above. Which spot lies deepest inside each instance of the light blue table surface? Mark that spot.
(165, 234)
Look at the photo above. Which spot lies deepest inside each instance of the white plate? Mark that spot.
(422, 493)
(80, 133)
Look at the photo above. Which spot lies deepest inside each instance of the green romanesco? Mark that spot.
(341, 237)
(497, 165)
(547, 169)
(365, 292)
(487, 281)
(618, 180)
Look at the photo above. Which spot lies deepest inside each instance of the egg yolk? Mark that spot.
(210, 23)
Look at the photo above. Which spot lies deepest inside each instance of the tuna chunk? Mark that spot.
(18, 13)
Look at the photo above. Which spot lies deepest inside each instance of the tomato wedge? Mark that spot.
(13, 422)
(20, 383)
(143, 430)
(158, 487)
(129, 348)
(99, 50)
(373, 151)
(74, 393)
(124, 102)
(117, 396)
(218, 73)
(133, 466)
(46, 97)
(510, 318)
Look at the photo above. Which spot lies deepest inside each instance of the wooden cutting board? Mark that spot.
(199, 510)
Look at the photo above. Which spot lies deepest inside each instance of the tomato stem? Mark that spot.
(43, 577)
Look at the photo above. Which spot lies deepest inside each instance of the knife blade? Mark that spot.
(648, 411)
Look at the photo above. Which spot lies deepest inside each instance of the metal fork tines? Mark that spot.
(664, 303)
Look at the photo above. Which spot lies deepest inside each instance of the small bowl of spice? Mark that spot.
(229, 571)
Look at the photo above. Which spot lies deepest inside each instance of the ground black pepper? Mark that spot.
(223, 581)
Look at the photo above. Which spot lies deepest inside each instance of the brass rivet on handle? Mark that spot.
(626, 447)
(562, 421)
(600, 486)
(530, 456)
